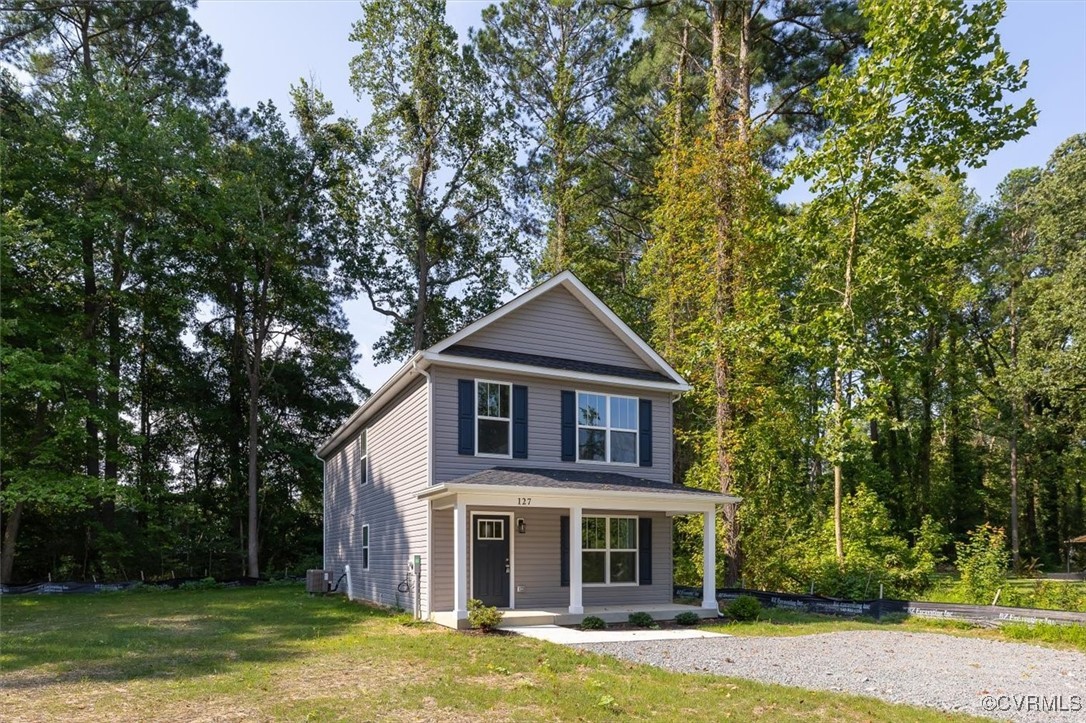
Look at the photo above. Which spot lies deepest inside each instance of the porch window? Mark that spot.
(609, 550)
(606, 428)
(493, 419)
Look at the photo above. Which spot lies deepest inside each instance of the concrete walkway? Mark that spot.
(573, 636)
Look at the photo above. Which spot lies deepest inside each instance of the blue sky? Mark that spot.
(271, 44)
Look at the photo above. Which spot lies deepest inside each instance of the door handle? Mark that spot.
(507, 566)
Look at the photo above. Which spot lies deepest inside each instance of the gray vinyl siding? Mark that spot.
(387, 503)
(556, 324)
(537, 563)
(544, 427)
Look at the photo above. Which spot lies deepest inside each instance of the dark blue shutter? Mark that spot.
(466, 416)
(644, 409)
(565, 549)
(569, 427)
(520, 421)
(644, 550)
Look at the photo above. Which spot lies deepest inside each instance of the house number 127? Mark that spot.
(524, 501)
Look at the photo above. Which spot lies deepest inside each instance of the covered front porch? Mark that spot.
(564, 545)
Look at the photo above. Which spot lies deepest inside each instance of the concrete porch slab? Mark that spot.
(608, 613)
(572, 636)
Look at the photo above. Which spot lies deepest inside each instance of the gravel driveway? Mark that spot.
(982, 677)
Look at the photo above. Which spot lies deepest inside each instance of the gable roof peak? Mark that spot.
(577, 288)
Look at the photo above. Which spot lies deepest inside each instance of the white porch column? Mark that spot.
(460, 561)
(576, 606)
(708, 581)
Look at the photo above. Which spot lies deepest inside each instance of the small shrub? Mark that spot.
(641, 620)
(483, 617)
(593, 623)
(982, 561)
(743, 608)
(687, 618)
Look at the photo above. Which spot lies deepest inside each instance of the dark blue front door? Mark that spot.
(490, 560)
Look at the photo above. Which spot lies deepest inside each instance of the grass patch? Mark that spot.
(276, 653)
(776, 622)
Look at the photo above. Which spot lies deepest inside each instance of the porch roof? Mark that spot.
(609, 487)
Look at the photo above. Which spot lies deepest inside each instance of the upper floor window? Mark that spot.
(606, 428)
(363, 460)
(493, 418)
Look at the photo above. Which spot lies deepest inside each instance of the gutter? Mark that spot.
(654, 495)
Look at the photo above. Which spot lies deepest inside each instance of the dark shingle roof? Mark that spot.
(552, 362)
(574, 479)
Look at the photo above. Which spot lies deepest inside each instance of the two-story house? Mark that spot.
(525, 461)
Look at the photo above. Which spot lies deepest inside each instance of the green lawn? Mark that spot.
(274, 653)
(776, 622)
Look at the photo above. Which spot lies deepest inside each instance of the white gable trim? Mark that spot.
(591, 302)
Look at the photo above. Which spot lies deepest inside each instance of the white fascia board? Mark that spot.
(487, 365)
(385, 392)
(507, 496)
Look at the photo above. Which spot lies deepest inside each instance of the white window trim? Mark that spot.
(607, 557)
(508, 419)
(364, 458)
(607, 429)
(366, 547)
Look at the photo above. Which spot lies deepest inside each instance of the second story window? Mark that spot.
(363, 460)
(606, 428)
(493, 420)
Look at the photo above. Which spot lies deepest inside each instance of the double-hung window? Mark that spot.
(609, 550)
(606, 428)
(493, 419)
(365, 547)
(363, 460)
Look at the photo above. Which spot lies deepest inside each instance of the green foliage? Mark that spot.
(687, 618)
(1073, 635)
(424, 206)
(874, 554)
(744, 608)
(641, 620)
(591, 622)
(982, 561)
(208, 583)
(483, 617)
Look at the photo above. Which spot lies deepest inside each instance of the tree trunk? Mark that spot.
(1015, 555)
(838, 387)
(838, 533)
(11, 532)
(113, 395)
(254, 472)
